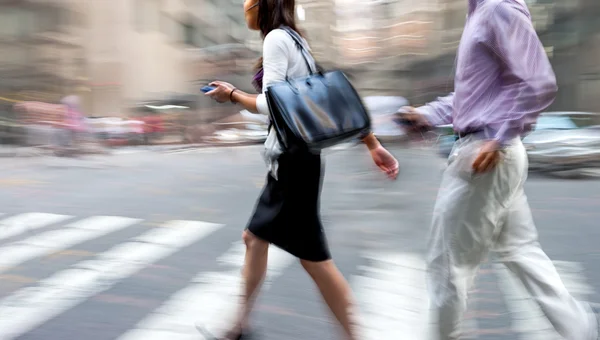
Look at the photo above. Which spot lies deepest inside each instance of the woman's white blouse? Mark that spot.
(281, 59)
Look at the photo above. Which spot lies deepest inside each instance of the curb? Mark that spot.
(207, 146)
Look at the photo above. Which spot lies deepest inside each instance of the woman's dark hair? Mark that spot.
(275, 13)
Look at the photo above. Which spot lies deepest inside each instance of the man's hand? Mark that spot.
(488, 158)
(417, 121)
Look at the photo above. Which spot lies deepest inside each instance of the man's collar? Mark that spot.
(473, 5)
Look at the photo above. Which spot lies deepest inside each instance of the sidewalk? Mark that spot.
(34, 151)
(21, 151)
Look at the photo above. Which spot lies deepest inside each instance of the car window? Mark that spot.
(554, 123)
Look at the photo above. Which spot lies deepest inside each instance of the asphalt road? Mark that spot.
(144, 245)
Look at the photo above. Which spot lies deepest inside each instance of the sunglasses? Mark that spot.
(251, 7)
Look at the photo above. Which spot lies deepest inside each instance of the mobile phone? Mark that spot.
(206, 89)
(404, 122)
(410, 124)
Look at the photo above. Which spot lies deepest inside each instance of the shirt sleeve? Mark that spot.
(275, 64)
(530, 83)
(439, 112)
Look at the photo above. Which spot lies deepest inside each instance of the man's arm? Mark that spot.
(530, 85)
(438, 112)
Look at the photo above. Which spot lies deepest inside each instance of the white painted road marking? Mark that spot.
(30, 307)
(52, 241)
(392, 297)
(22, 223)
(209, 301)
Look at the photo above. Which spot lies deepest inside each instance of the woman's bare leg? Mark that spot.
(335, 291)
(253, 274)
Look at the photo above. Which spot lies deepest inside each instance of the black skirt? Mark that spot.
(287, 211)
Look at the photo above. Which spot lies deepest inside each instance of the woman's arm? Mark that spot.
(371, 141)
(381, 157)
(275, 65)
(225, 92)
(246, 100)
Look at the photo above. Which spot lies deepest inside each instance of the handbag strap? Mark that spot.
(298, 40)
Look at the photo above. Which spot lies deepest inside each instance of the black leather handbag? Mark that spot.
(317, 111)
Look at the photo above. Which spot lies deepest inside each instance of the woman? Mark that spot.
(287, 212)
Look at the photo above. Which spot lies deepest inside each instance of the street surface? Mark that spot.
(144, 245)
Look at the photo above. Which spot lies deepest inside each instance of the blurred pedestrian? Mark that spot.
(74, 122)
(287, 212)
(503, 81)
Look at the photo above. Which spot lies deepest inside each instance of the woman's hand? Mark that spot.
(222, 91)
(382, 158)
(385, 161)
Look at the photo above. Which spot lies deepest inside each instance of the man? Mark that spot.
(503, 81)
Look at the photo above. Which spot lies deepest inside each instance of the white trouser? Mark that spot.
(478, 214)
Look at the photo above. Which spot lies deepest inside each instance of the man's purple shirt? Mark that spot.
(503, 76)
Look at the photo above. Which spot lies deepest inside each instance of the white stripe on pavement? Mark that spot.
(30, 307)
(22, 223)
(52, 241)
(209, 301)
(392, 297)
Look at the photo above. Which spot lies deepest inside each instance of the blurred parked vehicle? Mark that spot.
(114, 130)
(560, 141)
(558, 144)
(243, 127)
(11, 130)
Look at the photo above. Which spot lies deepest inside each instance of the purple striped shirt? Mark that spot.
(503, 77)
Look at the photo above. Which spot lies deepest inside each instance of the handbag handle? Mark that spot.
(297, 39)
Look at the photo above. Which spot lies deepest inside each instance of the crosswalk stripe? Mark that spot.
(52, 241)
(32, 306)
(22, 223)
(209, 301)
(392, 297)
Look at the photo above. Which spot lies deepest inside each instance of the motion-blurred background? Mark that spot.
(119, 220)
(135, 66)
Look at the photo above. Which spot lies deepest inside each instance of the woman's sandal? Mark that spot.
(209, 336)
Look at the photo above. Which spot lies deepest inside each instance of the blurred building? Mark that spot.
(137, 51)
(382, 43)
(317, 18)
(43, 51)
(572, 38)
(118, 54)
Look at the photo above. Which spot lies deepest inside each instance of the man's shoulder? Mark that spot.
(505, 7)
(504, 12)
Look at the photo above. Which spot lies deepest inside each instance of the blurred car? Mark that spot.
(556, 142)
(115, 129)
